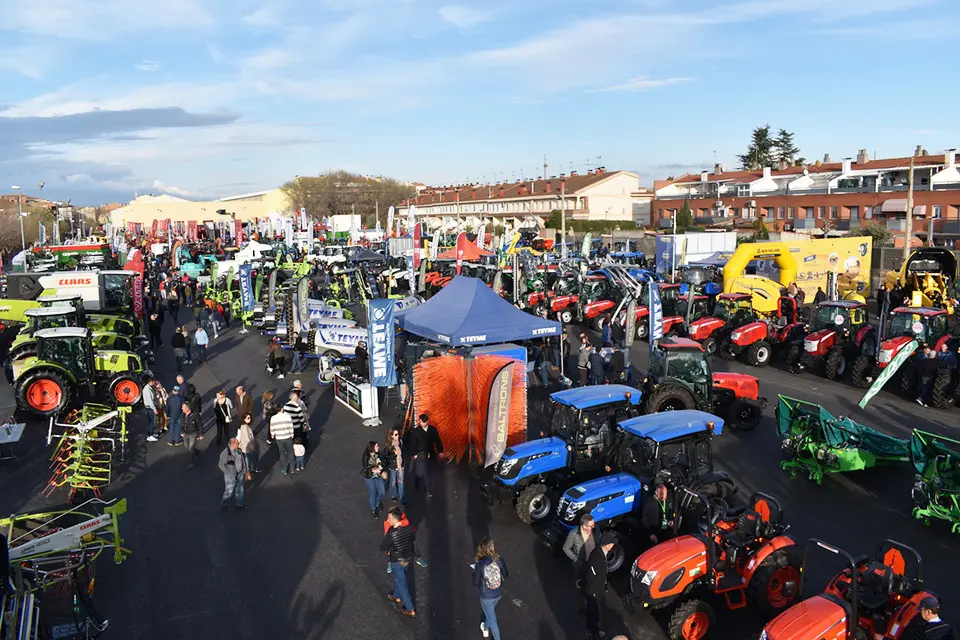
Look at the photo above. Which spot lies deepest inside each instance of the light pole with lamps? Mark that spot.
(19, 190)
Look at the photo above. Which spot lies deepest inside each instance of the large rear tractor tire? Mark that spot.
(743, 416)
(860, 372)
(908, 383)
(44, 392)
(534, 503)
(643, 330)
(565, 316)
(794, 353)
(942, 389)
(670, 398)
(773, 587)
(692, 620)
(835, 364)
(125, 390)
(759, 353)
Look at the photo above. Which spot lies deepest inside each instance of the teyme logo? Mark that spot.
(467, 339)
(548, 331)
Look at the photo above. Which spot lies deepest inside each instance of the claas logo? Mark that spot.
(65, 282)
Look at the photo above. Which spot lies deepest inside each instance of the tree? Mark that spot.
(685, 216)
(760, 229)
(341, 192)
(760, 152)
(786, 151)
(878, 231)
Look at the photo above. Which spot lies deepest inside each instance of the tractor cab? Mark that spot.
(928, 325)
(847, 315)
(875, 595)
(669, 297)
(699, 310)
(578, 443)
(680, 361)
(70, 348)
(735, 309)
(839, 331)
(118, 290)
(40, 318)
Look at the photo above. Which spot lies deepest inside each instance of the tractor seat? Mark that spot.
(746, 530)
(876, 585)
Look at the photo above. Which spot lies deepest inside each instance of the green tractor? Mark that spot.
(66, 364)
(94, 321)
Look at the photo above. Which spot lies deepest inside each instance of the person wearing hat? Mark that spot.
(927, 626)
(592, 563)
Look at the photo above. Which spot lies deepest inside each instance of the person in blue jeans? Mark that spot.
(373, 475)
(399, 542)
(393, 458)
(489, 572)
(174, 415)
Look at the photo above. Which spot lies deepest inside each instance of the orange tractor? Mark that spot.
(872, 596)
(743, 560)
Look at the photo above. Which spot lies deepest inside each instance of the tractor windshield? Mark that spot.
(565, 421)
(68, 353)
(594, 290)
(565, 286)
(689, 366)
(699, 308)
(669, 298)
(826, 318)
(117, 291)
(51, 322)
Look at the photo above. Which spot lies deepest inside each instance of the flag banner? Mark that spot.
(435, 245)
(498, 415)
(630, 326)
(482, 237)
(42, 237)
(888, 371)
(246, 287)
(237, 232)
(884, 317)
(414, 265)
(656, 317)
(156, 228)
(192, 230)
(303, 217)
(461, 247)
(390, 213)
(380, 334)
(585, 248)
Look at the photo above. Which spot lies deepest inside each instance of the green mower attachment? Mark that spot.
(815, 442)
(936, 488)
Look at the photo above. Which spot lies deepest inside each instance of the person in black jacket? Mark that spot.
(192, 432)
(927, 369)
(426, 447)
(927, 625)
(362, 359)
(617, 364)
(179, 344)
(299, 350)
(657, 515)
(593, 576)
(399, 542)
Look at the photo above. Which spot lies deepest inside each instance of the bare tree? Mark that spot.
(341, 192)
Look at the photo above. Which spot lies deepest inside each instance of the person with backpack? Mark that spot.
(489, 571)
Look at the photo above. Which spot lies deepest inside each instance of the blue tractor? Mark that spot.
(673, 448)
(583, 436)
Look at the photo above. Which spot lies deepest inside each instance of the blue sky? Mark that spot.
(206, 98)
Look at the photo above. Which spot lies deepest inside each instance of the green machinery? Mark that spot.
(936, 488)
(65, 364)
(815, 442)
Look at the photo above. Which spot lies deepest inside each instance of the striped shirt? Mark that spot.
(292, 408)
(281, 427)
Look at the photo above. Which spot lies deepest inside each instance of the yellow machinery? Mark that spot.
(765, 291)
(928, 278)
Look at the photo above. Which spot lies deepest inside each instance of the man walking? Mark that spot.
(201, 339)
(281, 430)
(155, 327)
(929, 365)
(192, 432)
(596, 366)
(244, 403)
(299, 348)
(399, 543)
(426, 447)
(233, 465)
(583, 359)
(175, 415)
(179, 345)
(150, 406)
(593, 574)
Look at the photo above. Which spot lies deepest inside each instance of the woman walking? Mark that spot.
(268, 410)
(275, 360)
(248, 442)
(393, 459)
(488, 574)
(373, 476)
(223, 412)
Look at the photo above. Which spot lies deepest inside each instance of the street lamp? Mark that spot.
(19, 190)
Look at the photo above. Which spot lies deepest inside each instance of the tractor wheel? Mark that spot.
(618, 554)
(908, 385)
(125, 390)
(758, 354)
(835, 365)
(940, 393)
(725, 352)
(643, 330)
(869, 346)
(565, 316)
(793, 358)
(670, 398)
(690, 621)
(534, 503)
(542, 311)
(860, 372)
(743, 416)
(709, 346)
(595, 323)
(772, 588)
(44, 392)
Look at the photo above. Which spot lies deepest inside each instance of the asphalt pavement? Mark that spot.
(302, 560)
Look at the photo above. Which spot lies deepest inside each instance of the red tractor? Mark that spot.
(839, 332)
(756, 340)
(743, 560)
(731, 310)
(927, 325)
(561, 298)
(872, 597)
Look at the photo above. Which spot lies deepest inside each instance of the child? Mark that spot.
(299, 451)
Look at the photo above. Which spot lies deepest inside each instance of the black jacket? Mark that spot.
(924, 630)
(191, 424)
(929, 367)
(302, 346)
(596, 363)
(399, 543)
(177, 341)
(617, 362)
(594, 571)
(425, 442)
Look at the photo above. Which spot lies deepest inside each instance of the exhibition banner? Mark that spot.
(888, 371)
(461, 247)
(380, 335)
(656, 317)
(246, 287)
(498, 415)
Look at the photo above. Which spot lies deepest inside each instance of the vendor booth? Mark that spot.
(359, 397)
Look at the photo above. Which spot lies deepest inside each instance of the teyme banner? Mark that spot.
(380, 333)
(246, 288)
(656, 317)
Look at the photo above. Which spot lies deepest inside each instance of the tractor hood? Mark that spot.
(604, 498)
(743, 385)
(814, 341)
(667, 556)
(700, 329)
(531, 458)
(816, 617)
(890, 348)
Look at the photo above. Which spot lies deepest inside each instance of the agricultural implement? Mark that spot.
(936, 489)
(815, 442)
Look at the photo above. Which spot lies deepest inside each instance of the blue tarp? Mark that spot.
(468, 312)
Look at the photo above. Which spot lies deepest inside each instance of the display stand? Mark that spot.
(360, 398)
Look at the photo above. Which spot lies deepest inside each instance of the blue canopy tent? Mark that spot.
(468, 312)
(718, 259)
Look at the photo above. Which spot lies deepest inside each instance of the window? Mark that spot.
(791, 212)
(820, 212)
(743, 191)
(833, 213)
(937, 211)
(770, 212)
(854, 213)
(660, 214)
(808, 212)
(780, 212)
(868, 213)
(734, 212)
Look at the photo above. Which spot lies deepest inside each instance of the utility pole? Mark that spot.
(23, 243)
(545, 167)
(908, 231)
(563, 220)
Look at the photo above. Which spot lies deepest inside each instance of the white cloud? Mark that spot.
(173, 190)
(264, 17)
(269, 60)
(464, 17)
(148, 65)
(643, 83)
(30, 61)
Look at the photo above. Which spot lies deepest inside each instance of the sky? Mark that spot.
(105, 99)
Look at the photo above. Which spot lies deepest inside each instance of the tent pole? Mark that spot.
(560, 347)
(468, 360)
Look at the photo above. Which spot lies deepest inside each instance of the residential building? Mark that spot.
(145, 209)
(833, 195)
(596, 195)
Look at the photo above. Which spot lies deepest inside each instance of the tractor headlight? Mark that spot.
(648, 578)
(735, 335)
(763, 635)
(506, 466)
(573, 509)
(821, 454)
(810, 346)
(886, 355)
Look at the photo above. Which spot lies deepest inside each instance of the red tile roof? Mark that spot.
(479, 192)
